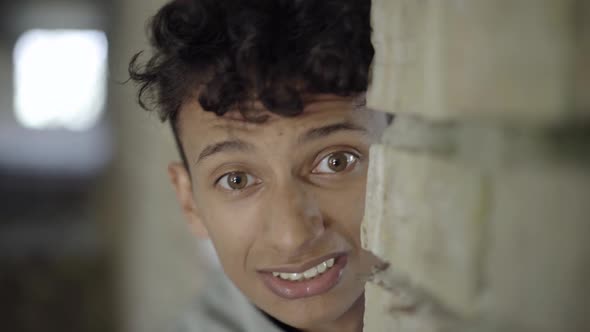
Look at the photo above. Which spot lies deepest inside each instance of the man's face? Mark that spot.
(283, 197)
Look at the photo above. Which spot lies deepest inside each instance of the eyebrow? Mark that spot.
(237, 145)
(233, 145)
(331, 129)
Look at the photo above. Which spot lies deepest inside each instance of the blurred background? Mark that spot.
(91, 238)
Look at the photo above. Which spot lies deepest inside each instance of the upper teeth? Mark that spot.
(308, 274)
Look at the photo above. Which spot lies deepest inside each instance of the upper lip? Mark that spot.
(302, 267)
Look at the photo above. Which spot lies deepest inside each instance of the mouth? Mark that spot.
(310, 279)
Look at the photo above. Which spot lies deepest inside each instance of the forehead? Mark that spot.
(197, 127)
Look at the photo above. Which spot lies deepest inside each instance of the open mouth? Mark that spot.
(313, 281)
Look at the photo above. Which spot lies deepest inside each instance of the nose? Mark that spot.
(295, 221)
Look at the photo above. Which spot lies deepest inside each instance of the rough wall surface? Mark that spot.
(479, 195)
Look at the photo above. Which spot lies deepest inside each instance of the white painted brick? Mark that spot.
(382, 315)
(538, 264)
(424, 217)
(495, 58)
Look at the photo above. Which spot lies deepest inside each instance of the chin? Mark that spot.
(317, 311)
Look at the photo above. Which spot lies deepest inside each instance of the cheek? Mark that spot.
(233, 229)
(345, 209)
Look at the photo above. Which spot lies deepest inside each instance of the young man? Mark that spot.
(265, 98)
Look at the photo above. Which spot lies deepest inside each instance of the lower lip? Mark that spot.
(299, 289)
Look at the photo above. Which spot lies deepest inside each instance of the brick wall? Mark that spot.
(479, 195)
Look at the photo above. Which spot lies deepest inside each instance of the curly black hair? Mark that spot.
(237, 51)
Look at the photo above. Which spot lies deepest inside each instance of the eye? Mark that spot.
(336, 163)
(236, 181)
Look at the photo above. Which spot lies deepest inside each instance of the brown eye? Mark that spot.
(236, 181)
(336, 163)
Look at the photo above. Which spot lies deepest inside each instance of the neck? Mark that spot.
(351, 321)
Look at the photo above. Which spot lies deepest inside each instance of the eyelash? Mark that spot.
(353, 160)
(249, 177)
